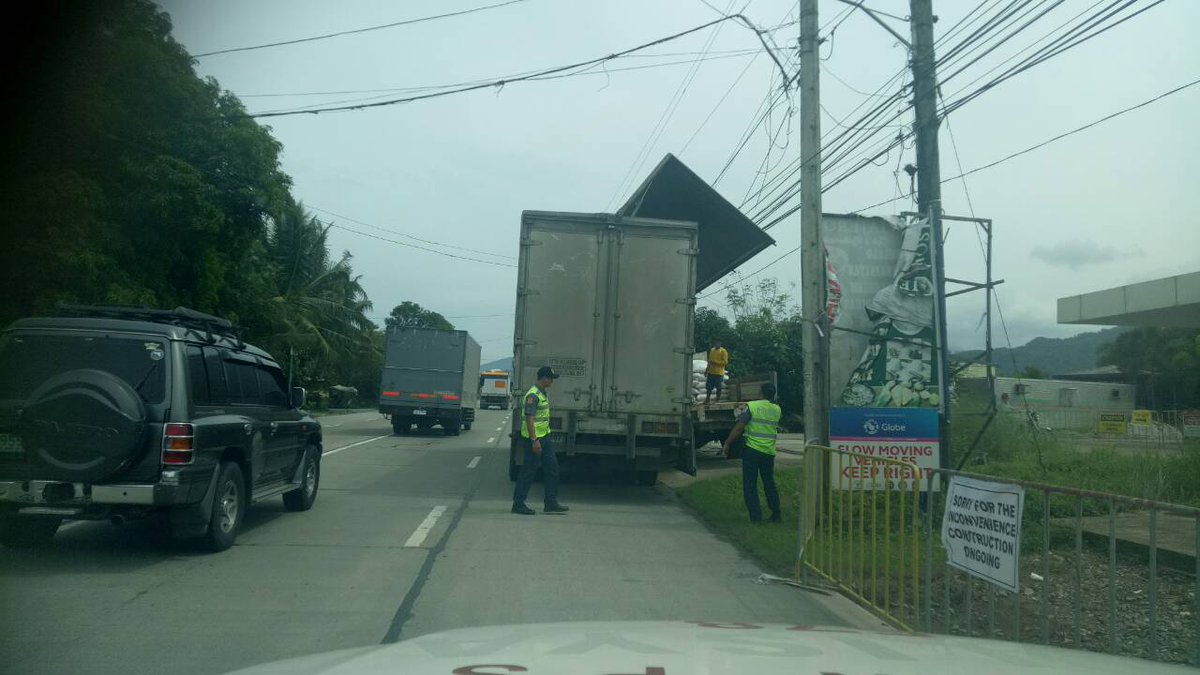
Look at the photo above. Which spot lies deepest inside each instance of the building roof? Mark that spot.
(1169, 302)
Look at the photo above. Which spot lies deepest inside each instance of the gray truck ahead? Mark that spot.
(430, 377)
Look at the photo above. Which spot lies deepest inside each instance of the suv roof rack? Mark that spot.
(180, 316)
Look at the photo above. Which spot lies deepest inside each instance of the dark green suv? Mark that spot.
(115, 413)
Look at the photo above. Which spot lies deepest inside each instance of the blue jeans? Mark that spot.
(755, 464)
(549, 463)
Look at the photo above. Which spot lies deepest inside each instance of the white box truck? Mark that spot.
(608, 301)
(494, 389)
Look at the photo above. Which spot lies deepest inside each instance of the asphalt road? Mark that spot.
(409, 535)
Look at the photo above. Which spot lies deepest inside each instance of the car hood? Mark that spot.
(687, 648)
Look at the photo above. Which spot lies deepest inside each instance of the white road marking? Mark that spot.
(422, 531)
(492, 439)
(353, 445)
(499, 428)
(474, 463)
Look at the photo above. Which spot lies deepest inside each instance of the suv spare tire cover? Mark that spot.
(83, 425)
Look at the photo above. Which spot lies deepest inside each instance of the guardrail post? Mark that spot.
(1046, 568)
(1153, 652)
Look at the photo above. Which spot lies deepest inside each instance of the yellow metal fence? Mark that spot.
(871, 528)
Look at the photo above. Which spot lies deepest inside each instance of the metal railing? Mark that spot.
(1097, 571)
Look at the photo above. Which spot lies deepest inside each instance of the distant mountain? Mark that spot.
(1055, 356)
(499, 364)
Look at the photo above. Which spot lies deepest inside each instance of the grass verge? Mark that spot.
(718, 501)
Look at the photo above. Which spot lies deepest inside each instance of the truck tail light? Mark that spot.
(450, 397)
(178, 443)
(391, 394)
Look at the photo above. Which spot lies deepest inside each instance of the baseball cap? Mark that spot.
(547, 372)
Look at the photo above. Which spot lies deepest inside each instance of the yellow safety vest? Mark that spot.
(541, 419)
(763, 427)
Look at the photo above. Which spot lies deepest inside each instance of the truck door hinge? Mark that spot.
(527, 241)
(689, 251)
(685, 301)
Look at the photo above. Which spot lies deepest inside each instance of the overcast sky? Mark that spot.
(1112, 205)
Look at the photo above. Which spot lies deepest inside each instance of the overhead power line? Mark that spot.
(409, 236)
(421, 248)
(1048, 141)
(531, 76)
(326, 36)
(1013, 12)
(727, 54)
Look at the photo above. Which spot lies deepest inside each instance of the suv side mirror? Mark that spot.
(299, 395)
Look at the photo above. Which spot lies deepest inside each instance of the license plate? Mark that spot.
(10, 444)
(418, 412)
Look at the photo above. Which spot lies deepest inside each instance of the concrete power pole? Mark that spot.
(812, 261)
(929, 186)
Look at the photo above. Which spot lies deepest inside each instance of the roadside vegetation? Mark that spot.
(130, 180)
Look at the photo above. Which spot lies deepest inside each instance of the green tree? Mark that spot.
(766, 336)
(1163, 362)
(1033, 373)
(128, 179)
(709, 326)
(410, 314)
(319, 306)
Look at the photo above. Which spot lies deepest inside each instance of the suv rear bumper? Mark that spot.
(175, 488)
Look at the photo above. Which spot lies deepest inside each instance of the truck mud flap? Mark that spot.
(687, 454)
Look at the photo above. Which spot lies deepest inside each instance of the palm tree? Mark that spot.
(320, 305)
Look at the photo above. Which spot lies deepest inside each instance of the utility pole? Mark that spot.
(812, 252)
(929, 189)
(815, 347)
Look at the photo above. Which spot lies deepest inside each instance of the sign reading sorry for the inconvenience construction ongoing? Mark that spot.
(981, 529)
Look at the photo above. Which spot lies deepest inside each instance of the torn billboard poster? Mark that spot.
(883, 350)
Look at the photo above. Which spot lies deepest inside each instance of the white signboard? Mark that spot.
(981, 529)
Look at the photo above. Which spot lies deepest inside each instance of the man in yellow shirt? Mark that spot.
(718, 358)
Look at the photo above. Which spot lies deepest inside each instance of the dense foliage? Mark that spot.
(410, 314)
(1164, 362)
(131, 180)
(765, 335)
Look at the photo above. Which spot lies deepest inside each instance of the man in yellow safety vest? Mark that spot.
(535, 443)
(759, 425)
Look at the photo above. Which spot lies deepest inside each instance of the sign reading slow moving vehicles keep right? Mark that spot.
(981, 530)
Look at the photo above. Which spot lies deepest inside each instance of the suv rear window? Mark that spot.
(26, 361)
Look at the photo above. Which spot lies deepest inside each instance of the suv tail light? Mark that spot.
(177, 444)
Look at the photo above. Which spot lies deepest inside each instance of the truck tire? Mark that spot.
(229, 508)
(467, 426)
(451, 426)
(401, 426)
(302, 498)
(27, 531)
(648, 477)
